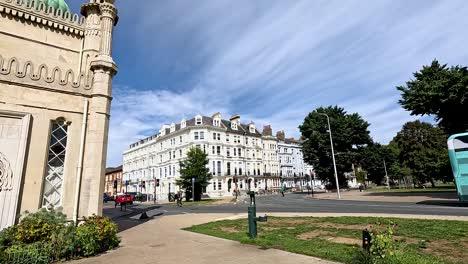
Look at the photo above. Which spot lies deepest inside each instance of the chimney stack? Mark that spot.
(280, 135)
(267, 131)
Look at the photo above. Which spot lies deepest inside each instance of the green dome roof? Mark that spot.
(57, 4)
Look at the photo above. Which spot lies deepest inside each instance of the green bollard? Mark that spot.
(253, 219)
(252, 223)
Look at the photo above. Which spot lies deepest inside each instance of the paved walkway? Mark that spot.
(162, 241)
(396, 196)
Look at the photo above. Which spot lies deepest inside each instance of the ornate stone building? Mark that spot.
(56, 71)
(235, 152)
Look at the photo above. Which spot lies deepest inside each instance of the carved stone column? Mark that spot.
(104, 69)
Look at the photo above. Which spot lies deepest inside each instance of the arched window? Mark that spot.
(53, 180)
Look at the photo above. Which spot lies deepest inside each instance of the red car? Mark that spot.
(124, 198)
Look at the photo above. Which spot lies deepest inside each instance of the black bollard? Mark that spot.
(366, 241)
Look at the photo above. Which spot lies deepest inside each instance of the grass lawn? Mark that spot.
(339, 238)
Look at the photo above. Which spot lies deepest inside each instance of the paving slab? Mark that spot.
(161, 240)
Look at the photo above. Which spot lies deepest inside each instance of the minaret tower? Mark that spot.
(101, 17)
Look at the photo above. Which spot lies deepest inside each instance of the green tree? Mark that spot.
(194, 166)
(350, 132)
(422, 151)
(440, 91)
(361, 175)
(371, 159)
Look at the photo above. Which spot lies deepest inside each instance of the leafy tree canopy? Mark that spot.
(349, 131)
(194, 166)
(371, 159)
(422, 152)
(440, 91)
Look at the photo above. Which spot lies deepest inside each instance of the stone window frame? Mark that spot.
(65, 162)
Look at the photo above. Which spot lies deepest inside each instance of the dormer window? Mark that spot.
(172, 127)
(183, 123)
(252, 129)
(234, 125)
(216, 122)
(198, 120)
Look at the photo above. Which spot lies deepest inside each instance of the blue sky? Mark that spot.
(274, 61)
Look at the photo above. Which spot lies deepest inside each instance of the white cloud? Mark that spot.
(274, 61)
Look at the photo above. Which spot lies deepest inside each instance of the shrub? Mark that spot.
(64, 243)
(7, 237)
(39, 226)
(38, 252)
(382, 243)
(45, 237)
(97, 234)
(362, 258)
(382, 249)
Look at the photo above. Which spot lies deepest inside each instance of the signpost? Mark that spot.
(193, 189)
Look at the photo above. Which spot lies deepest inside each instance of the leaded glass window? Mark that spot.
(53, 181)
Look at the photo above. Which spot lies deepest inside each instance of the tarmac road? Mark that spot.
(291, 203)
(298, 203)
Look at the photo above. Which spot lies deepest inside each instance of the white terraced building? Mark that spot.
(292, 166)
(239, 157)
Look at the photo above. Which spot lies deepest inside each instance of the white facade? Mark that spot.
(236, 153)
(292, 166)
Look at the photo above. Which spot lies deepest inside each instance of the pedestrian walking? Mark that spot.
(176, 198)
(179, 198)
(283, 189)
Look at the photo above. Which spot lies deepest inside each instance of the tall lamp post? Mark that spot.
(333, 155)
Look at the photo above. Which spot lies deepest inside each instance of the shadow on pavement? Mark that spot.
(451, 203)
(122, 218)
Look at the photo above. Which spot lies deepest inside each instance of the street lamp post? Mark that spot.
(333, 155)
(386, 174)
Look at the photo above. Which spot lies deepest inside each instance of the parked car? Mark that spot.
(124, 198)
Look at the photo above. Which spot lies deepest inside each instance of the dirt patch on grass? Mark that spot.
(290, 221)
(342, 226)
(228, 229)
(345, 240)
(313, 234)
(406, 239)
(273, 228)
(453, 251)
(329, 236)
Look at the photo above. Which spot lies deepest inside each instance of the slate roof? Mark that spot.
(242, 129)
(112, 170)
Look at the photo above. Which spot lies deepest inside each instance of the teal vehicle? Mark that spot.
(458, 153)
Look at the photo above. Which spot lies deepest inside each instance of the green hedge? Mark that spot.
(46, 237)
